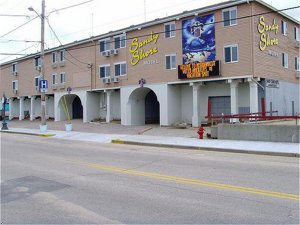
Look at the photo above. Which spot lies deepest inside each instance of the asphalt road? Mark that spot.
(47, 180)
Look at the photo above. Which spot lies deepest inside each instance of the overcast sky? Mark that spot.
(90, 19)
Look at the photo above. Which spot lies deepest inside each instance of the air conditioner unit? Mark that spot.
(38, 68)
(54, 65)
(15, 91)
(37, 88)
(15, 73)
(297, 45)
(114, 52)
(297, 74)
(62, 63)
(106, 80)
(106, 53)
(115, 79)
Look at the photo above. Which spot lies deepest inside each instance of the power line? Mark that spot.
(179, 29)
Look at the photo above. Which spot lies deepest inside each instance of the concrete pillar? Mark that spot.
(11, 116)
(21, 116)
(32, 108)
(46, 107)
(195, 118)
(234, 98)
(108, 106)
(253, 96)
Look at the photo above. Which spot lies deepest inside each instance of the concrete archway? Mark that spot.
(144, 106)
(72, 104)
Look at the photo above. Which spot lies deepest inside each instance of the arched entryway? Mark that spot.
(151, 108)
(143, 107)
(77, 109)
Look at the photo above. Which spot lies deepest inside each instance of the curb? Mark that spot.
(119, 141)
(25, 133)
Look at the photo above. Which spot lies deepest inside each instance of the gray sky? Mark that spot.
(90, 19)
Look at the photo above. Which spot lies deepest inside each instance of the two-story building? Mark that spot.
(167, 70)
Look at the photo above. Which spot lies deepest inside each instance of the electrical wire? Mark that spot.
(180, 29)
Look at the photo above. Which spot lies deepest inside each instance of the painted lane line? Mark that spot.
(190, 181)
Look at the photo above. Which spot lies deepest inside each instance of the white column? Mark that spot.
(32, 108)
(108, 106)
(234, 98)
(195, 118)
(253, 96)
(21, 116)
(11, 116)
(46, 107)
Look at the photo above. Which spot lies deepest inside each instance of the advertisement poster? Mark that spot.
(198, 39)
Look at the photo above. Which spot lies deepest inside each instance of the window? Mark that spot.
(171, 62)
(120, 69)
(296, 33)
(104, 45)
(54, 57)
(283, 27)
(285, 60)
(37, 81)
(170, 30)
(104, 71)
(62, 55)
(15, 85)
(14, 67)
(231, 53)
(62, 78)
(37, 61)
(120, 41)
(229, 16)
(54, 79)
(297, 63)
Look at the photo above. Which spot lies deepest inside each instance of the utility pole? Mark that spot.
(43, 126)
(43, 103)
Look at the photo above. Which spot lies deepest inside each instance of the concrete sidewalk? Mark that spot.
(251, 147)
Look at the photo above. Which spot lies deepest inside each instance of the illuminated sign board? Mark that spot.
(264, 30)
(199, 70)
(137, 48)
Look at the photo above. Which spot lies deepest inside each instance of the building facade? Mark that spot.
(167, 70)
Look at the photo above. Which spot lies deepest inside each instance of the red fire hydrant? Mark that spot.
(200, 132)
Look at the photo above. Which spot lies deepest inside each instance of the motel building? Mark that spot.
(166, 71)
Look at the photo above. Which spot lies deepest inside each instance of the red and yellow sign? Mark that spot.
(199, 70)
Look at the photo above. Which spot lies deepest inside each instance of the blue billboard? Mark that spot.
(198, 39)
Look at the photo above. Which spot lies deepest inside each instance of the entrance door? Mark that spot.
(219, 105)
(151, 108)
(77, 108)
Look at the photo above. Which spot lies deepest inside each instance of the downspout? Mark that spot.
(251, 38)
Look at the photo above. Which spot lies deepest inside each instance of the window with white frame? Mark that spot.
(15, 85)
(54, 79)
(120, 69)
(54, 57)
(62, 78)
(37, 61)
(14, 67)
(231, 53)
(104, 71)
(62, 55)
(171, 62)
(120, 41)
(170, 30)
(283, 27)
(230, 16)
(296, 33)
(37, 81)
(297, 63)
(285, 60)
(104, 45)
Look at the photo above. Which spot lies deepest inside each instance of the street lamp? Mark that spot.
(43, 126)
(4, 124)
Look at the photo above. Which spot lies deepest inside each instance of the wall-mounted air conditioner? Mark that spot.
(106, 53)
(15, 91)
(106, 80)
(38, 68)
(114, 51)
(297, 45)
(15, 73)
(298, 74)
(115, 79)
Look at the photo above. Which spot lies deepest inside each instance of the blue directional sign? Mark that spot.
(43, 85)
